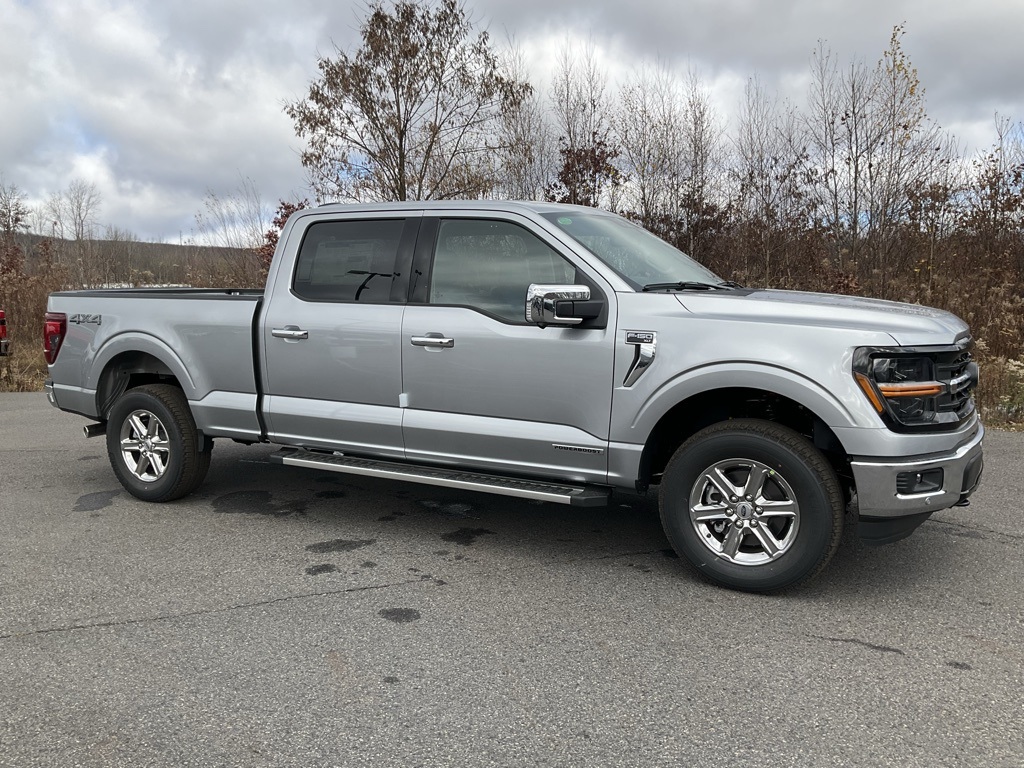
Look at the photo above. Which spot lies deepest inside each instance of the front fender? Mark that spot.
(847, 408)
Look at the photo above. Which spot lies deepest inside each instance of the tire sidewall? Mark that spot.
(815, 538)
(136, 400)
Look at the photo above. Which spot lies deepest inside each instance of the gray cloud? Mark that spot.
(157, 102)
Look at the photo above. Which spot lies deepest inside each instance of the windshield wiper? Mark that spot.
(689, 285)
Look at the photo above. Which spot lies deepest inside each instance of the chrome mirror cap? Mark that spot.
(542, 303)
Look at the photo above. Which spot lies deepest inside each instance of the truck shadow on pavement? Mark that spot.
(461, 526)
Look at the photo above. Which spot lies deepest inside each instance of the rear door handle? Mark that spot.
(433, 340)
(291, 332)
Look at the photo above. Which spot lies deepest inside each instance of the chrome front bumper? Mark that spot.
(876, 481)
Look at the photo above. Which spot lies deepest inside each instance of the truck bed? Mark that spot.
(203, 337)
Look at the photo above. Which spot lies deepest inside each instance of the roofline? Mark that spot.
(530, 206)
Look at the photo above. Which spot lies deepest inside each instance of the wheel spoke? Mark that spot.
(142, 466)
(785, 508)
(705, 513)
(732, 542)
(722, 484)
(158, 464)
(131, 445)
(755, 482)
(138, 428)
(767, 539)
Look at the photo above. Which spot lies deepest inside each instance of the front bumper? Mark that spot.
(876, 479)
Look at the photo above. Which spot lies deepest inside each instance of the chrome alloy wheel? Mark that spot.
(744, 511)
(145, 448)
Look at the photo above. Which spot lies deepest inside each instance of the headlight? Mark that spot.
(917, 387)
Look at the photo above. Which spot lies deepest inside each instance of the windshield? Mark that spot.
(634, 253)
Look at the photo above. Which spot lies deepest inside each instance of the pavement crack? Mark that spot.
(615, 555)
(854, 641)
(1015, 537)
(207, 612)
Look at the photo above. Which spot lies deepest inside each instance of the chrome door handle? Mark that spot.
(289, 333)
(433, 341)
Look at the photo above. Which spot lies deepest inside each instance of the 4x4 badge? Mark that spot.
(646, 343)
(80, 319)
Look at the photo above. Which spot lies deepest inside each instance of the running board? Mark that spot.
(575, 495)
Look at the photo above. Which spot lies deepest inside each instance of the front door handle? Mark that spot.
(291, 332)
(433, 340)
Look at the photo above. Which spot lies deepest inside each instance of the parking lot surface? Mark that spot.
(288, 617)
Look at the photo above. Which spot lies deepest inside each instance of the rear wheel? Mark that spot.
(153, 444)
(752, 505)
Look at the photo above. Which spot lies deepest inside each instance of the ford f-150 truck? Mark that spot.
(546, 352)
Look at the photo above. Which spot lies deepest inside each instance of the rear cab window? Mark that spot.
(352, 260)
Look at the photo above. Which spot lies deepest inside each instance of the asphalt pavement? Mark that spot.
(292, 617)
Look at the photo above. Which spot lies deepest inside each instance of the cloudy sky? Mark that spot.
(157, 102)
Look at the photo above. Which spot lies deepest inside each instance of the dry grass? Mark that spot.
(23, 295)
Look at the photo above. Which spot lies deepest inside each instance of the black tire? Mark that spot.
(710, 508)
(153, 444)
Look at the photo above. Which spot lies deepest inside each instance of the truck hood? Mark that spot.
(908, 324)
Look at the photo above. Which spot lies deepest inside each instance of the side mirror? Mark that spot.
(560, 305)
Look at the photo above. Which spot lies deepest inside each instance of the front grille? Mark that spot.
(954, 369)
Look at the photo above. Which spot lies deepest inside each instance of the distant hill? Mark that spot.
(93, 262)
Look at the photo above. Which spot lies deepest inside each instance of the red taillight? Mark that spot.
(53, 335)
(3, 324)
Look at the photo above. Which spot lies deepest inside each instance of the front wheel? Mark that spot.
(752, 505)
(153, 444)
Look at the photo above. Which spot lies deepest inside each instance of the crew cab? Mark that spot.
(547, 352)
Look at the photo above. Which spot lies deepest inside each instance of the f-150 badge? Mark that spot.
(646, 343)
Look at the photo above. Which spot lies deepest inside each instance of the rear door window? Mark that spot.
(349, 260)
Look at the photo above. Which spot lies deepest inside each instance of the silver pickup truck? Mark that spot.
(546, 352)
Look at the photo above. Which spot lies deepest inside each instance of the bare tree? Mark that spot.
(872, 147)
(770, 193)
(82, 201)
(73, 214)
(838, 146)
(578, 97)
(913, 153)
(994, 200)
(411, 114)
(14, 211)
(229, 233)
(527, 146)
(697, 193)
(587, 172)
(236, 220)
(651, 129)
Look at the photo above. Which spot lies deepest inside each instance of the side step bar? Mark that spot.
(576, 495)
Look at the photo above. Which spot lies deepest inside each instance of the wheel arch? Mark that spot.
(711, 406)
(125, 366)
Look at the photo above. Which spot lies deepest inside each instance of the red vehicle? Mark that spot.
(4, 341)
